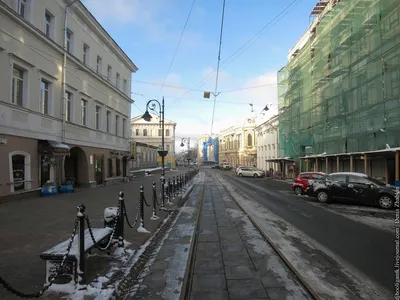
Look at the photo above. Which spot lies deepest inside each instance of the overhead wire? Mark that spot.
(177, 46)
(277, 18)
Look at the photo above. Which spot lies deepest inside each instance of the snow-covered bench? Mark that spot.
(55, 255)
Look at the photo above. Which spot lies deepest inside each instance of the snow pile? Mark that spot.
(271, 225)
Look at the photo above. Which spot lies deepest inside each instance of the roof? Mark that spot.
(154, 120)
(319, 7)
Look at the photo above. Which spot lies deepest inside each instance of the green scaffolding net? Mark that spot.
(340, 93)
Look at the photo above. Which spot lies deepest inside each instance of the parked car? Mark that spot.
(226, 167)
(216, 166)
(303, 180)
(355, 187)
(250, 171)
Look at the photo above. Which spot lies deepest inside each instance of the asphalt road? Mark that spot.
(367, 249)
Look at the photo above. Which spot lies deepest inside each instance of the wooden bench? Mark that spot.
(54, 256)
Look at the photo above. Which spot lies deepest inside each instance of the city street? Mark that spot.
(37, 224)
(358, 238)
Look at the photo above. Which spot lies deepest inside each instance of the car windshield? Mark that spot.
(376, 181)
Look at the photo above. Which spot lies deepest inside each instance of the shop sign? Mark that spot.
(3, 141)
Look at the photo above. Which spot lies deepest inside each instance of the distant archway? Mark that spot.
(76, 167)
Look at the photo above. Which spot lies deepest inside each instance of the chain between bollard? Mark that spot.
(92, 235)
(137, 215)
(9, 288)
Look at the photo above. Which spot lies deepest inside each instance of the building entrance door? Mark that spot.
(98, 168)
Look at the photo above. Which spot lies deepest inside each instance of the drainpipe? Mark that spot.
(63, 102)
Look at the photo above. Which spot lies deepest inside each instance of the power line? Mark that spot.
(219, 59)
(177, 46)
(202, 82)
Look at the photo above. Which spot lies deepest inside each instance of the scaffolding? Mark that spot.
(340, 91)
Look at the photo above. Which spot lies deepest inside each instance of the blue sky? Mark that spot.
(149, 30)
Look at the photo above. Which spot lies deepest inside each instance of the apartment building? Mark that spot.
(65, 97)
(238, 144)
(150, 133)
(267, 144)
(339, 92)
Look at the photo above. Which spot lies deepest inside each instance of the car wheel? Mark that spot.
(323, 197)
(385, 202)
(298, 190)
(240, 174)
(255, 175)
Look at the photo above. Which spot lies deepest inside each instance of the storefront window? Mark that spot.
(20, 170)
(118, 166)
(110, 167)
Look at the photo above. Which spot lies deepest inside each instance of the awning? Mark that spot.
(54, 147)
(283, 159)
(377, 152)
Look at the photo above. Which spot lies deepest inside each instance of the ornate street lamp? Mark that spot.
(152, 104)
(186, 140)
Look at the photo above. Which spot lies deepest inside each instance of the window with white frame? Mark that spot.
(99, 65)
(117, 81)
(98, 115)
(19, 170)
(109, 72)
(167, 132)
(137, 131)
(68, 106)
(86, 53)
(70, 41)
(44, 96)
(167, 147)
(84, 112)
(116, 125)
(108, 121)
(17, 97)
(48, 24)
(145, 132)
(123, 127)
(22, 8)
(125, 87)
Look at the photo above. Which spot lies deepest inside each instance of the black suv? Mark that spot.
(356, 187)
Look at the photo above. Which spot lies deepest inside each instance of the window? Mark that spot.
(144, 132)
(20, 170)
(117, 80)
(68, 106)
(85, 58)
(137, 131)
(110, 166)
(125, 86)
(341, 178)
(70, 41)
(123, 127)
(358, 179)
(317, 176)
(159, 132)
(22, 8)
(99, 65)
(17, 86)
(109, 72)
(108, 121)
(249, 140)
(167, 147)
(98, 114)
(118, 167)
(48, 24)
(167, 132)
(116, 124)
(44, 97)
(83, 112)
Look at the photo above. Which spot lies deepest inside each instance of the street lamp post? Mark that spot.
(151, 104)
(186, 140)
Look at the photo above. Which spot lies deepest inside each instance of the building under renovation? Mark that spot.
(339, 94)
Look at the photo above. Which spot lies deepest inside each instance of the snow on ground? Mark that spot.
(284, 239)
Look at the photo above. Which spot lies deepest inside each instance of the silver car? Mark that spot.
(250, 171)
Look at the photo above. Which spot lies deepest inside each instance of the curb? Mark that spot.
(190, 264)
(309, 289)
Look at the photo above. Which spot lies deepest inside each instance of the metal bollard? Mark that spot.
(173, 186)
(121, 219)
(141, 207)
(82, 266)
(162, 192)
(154, 216)
(169, 189)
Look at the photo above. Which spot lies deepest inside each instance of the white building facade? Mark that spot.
(46, 134)
(150, 133)
(267, 147)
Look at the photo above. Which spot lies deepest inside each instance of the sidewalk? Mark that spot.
(227, 258)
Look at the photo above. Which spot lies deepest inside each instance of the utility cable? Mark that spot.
(219, 59)
(277, 18)
(177, 46)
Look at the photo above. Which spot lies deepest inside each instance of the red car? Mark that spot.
(302, 181)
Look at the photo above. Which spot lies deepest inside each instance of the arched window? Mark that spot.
(19, 170)
(167, 132)
(145, 132)
(249, 140)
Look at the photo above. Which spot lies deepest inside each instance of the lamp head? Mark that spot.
(146, 116)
